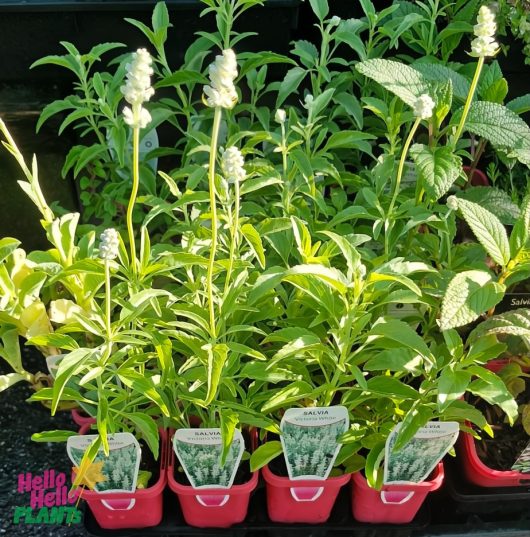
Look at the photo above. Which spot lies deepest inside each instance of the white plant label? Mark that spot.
(116, 473)
(415, 462)
(410, 177)
(199, 452)
(402, 310)
(522, 464)
(309, 440)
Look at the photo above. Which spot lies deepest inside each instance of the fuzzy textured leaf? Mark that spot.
(468, 295)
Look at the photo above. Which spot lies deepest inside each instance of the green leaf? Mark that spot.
(251, 185)
(182, 77)
(61, 341)
(468, 295)
(327, 275)
(391, 387)
(492, 389)
(438, 168)
(320, 8)
(373, 470)
(498, 124)
(488, 230)
(264, 454)
(347, 139)
(451, 386)
(400, 79)
(217, 356)
(148, 429)
(290, 84)
(441, 73)
(520, 235)
(494, 200)
(285, 396)
(229, 421)
(254, 241)
(520, 105)
(395, 360)
(401, 333)
(53, 436)
(54, 108)
(511, 323)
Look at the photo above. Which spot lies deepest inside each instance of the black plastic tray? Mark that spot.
(470, 499)
(440, 516)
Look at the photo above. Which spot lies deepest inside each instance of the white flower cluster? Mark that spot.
(137, 89)
(423, 106)
(222, 72)
(280, 116)
(484, 43)
(232, 164)
(452, 203)
(110, 243)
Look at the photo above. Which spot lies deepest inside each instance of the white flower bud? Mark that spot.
(110, 243)
(484, 43)
(452, 203)
(423, 106)
(309, 100)
(137, 89)
(280, 116)
(362, 271)
(222, 72)
(232, 163)
(335, 21)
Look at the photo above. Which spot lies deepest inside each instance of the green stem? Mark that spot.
(388, 226)
(213, 211)
(286, 192)
(107, 300)
(234, 237)
(469, 99)
(134, 193)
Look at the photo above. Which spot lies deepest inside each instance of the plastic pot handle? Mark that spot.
(119, 505)
(396, 497)
(212, 500)
(306, 494)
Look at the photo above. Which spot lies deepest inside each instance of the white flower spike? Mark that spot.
(423, 106)
(110, 243)
(232, 163)
(484, 44)
(137, 89)
(222, 72)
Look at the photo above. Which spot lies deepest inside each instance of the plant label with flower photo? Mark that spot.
(415, 462)
(522, 464)
(309, 438)
(199, 452)
(116, 473)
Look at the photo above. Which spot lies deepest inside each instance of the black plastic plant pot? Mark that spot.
(31, 30)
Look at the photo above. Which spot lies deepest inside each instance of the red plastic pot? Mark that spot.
(479, 178)
(211, 508)
(393, 504)
(309, 501)
(139, 509)
(475, 470)
(81, 418)
(478, 473)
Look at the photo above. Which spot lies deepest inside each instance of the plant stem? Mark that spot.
(469, 99)
(234, 237)
(107, 300)
(213, 211)
(388, 226)
(134, 193)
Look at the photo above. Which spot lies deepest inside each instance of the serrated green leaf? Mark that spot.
(404, 81)
(440, 73)
(438, 168)
(488, 230)
(468, 295)
(494, 200)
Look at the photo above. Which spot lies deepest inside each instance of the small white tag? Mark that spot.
(309, 440)
(415, 462)
(199, 452)
(116, 473)
(401, 310)
(522, 464)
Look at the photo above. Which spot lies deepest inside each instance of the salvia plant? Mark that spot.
(316, 243)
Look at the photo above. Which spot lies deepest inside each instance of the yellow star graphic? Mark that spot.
(91, 476)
